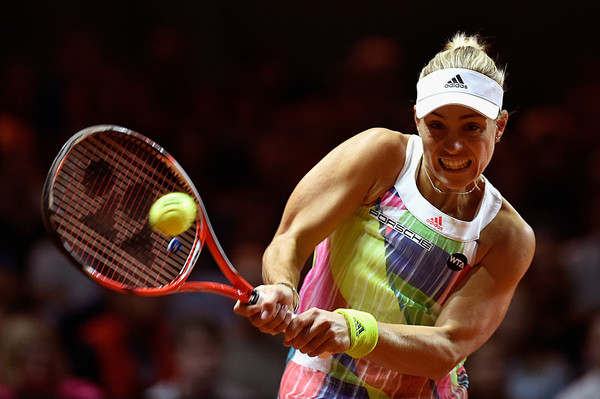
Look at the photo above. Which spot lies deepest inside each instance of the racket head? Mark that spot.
(95, 205)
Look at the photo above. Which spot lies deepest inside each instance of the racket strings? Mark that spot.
(103, 192)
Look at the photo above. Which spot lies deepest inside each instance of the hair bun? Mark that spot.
(461, 39)
(466, 52)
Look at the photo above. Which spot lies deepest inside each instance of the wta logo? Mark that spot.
(457, 262)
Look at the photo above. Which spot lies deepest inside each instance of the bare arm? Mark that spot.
(356, 172)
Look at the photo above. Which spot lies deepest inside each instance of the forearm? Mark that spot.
(416, 350)
(282, 261)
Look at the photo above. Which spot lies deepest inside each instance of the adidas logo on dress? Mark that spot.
(456, 82)
(436, 222)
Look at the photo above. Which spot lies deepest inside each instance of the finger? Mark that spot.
(293, 329)
(310, 337)
(279, 323)
(278, 312)
(298, 333)
(320, 348)
(271, 313)
(245, 310)
(274, 329)
(267, 312)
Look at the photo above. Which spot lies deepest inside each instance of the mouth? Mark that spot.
(451, 164)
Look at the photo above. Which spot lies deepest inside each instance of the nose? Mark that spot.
(453, 143)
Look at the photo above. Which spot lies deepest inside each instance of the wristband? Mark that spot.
(363, 330)
(296, 296)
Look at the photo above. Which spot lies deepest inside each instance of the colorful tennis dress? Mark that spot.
(399, 259)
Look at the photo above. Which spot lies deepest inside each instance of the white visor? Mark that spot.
(459, 86)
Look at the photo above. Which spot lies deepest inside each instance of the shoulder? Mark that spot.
(381, 139)
(378, 153)
(507, 240)
(510, 228)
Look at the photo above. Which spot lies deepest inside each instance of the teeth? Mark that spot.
(454, 164)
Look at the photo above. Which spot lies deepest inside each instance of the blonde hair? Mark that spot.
(468, 52)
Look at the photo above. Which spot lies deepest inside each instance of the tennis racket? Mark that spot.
(95, 205)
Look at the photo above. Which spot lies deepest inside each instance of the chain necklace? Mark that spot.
(437, 190)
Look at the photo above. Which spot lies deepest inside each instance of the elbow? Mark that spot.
(444, 364)
(441, 370)
(451, 350)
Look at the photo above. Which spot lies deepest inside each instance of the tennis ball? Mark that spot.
(173, 213)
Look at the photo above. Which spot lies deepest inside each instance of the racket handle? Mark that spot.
(254, 298)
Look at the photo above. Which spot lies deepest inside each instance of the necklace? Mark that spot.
(437, 190)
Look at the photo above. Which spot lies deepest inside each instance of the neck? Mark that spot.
(450, 192)
(462, 204)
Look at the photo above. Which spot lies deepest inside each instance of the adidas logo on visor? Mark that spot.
(458, 86)
(456, 82)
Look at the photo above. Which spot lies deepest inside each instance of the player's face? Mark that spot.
(458, 144)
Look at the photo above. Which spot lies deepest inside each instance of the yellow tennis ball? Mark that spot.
(173, 213)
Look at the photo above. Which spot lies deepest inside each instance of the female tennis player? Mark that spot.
(416, 254)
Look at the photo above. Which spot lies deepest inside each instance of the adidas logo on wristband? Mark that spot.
(362, 330)
(358, 327)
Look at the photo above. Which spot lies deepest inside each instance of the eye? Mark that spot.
(435, 125)
(473, 127)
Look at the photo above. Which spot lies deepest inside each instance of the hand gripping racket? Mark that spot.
(95, 205)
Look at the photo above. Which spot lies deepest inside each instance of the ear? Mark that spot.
(501, 123)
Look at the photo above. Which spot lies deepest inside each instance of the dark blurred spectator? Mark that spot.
(18, 87)
(581, 258)
(21, 181)
(581, 99)
(537, 359)
(199, 350)
(543, 142)
(12, 294)
(369, 88)
(33, 365)
(587, 386)
(487, 370)
(58, 289)
(131, 344)
(536, 375)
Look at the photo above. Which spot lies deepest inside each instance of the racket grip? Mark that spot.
(254, 298)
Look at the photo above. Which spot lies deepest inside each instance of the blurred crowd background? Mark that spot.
(248, 96)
